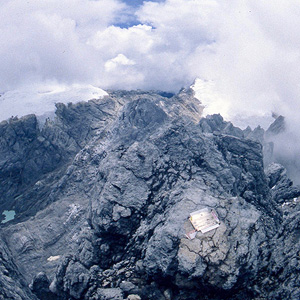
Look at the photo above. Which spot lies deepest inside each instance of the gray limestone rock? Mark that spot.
(282, 188)
(12, 283)
(110, 294)
(106, 213)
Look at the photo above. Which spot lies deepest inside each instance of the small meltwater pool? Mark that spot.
(9, 215)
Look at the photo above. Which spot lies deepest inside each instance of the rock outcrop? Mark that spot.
(12, 283)
(108, 219)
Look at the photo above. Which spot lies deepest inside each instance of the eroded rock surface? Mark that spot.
(12, 284)
(108, 220)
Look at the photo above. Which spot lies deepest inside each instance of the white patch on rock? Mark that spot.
(73, 212)
(53, 258)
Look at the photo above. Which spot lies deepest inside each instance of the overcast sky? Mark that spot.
(246, 53)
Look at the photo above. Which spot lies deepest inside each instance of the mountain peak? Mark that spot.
(103, 196)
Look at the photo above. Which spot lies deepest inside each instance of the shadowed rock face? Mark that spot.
(108, 219)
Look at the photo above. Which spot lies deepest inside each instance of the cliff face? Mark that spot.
(104, 191)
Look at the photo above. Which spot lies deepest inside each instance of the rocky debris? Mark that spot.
(115, 212)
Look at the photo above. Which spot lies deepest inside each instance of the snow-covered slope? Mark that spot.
(41, 99)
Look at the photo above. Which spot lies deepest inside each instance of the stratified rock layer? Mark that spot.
(105, 212)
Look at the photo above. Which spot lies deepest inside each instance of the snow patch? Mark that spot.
(53, 258)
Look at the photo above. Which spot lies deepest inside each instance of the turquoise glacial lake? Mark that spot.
(9, 215)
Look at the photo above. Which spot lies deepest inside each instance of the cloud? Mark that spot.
(120, 59)
(44, 40)
(247, 51)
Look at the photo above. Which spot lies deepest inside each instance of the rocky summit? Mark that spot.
(102, 195)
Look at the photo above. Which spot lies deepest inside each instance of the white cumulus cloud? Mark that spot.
(44, 40)
(119, 60)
